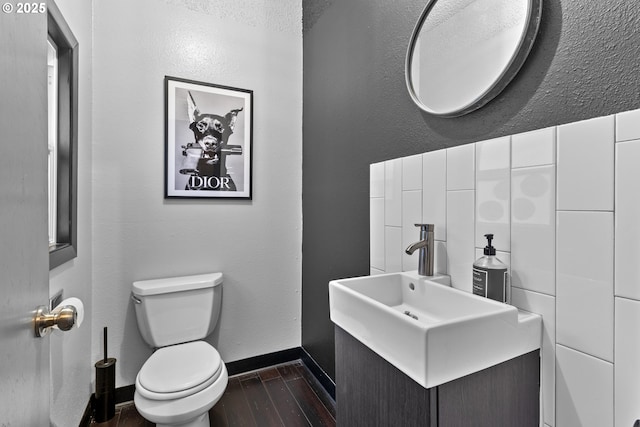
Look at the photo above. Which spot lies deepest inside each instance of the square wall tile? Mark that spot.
(584, 390)
(376, 180)
(627, 222)
(585, 165)
(393, 192)
(584, 282)
(375, 272)
(411, 215)
(376, 233)
(533, 229)
(461, 174)
(628, 125)
(545, 306)
(627, 362)
(434, 192)
(493, 193)
(393, 249)
(460, 237)
(535, 148)
(412, 173)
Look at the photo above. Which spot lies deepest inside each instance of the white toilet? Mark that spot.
(185, 376)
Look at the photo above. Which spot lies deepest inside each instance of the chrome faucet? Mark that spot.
(425, 244)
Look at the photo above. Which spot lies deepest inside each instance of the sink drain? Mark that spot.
(408, 313)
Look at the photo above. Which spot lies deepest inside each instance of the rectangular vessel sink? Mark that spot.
(430, 331)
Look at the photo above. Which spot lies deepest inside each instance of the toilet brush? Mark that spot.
(105, 402)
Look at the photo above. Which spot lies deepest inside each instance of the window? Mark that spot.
(52, 105)
(62, 61)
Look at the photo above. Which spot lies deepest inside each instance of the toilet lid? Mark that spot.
(180, 367)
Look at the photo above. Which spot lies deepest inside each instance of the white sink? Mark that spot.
(430, 331)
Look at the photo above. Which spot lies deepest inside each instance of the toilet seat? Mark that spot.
(186, 411)
(180, 370)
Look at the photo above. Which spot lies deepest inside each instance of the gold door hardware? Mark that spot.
(44, 320)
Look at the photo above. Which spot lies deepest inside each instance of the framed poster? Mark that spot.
(208, 137)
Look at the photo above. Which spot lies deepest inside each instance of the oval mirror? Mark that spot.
(464, 52)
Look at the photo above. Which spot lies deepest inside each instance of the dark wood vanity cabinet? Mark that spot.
(372, 392)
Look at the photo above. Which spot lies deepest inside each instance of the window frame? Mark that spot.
(65, 247)
(52, 104)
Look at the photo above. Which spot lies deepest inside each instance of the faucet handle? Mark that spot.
(426, 227)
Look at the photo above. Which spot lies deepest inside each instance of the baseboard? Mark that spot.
(284, 356)
(125, 394)
(263, 361)
(324, 379)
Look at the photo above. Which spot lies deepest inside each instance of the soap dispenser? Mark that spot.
(490, 277)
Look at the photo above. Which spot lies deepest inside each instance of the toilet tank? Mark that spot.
(177, 309)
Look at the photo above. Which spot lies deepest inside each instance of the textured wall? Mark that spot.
(357, 111)
(71, 361)
(137, 234)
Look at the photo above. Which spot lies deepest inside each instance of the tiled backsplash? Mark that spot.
(560, 202)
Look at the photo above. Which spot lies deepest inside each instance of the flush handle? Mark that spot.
(136, 299)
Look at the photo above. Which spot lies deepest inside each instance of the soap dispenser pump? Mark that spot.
(490, 277)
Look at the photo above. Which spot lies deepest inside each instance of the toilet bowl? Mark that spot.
(185, 377)
(179, 384)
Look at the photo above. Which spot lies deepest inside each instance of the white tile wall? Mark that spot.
(534, 148)
(627, 362)
(393, 249)
(585, 282)
(561, 203)
(434, 192)
(411, 215)
(584, 387)
(412, 173)
(533, 228)
(441, 259)
(493, 193)
(461, 174)
(544, 305)
(627, 221)
(460, 237)
(628, 125)
(376, 233)
(376, 180)
(585, 165)
(393, 193)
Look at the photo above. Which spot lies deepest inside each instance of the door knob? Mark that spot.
(63, 318)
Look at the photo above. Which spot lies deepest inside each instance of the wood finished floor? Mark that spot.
(284, 395)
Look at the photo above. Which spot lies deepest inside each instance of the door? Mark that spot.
(24, 257)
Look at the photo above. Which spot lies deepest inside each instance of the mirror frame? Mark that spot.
(517, 60)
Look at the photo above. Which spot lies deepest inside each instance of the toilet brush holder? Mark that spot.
(105, 403)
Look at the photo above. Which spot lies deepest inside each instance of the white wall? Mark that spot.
(551, 197)
(137, 234)
(71, 361)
